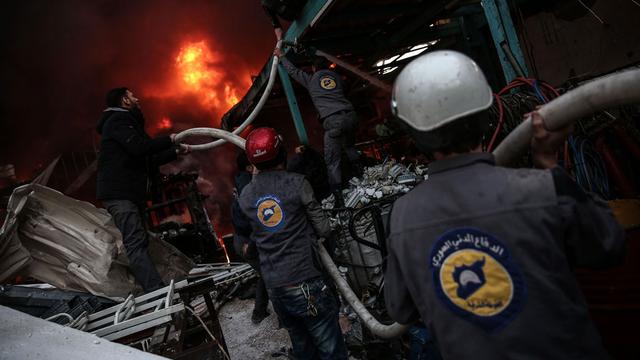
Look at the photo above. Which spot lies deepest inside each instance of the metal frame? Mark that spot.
(505, 39)
(293, 105)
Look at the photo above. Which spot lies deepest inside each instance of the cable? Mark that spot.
(500, 122)
(589, 167)
(591, 11)
(208, 332)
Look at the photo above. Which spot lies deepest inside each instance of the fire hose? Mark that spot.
(596, 95)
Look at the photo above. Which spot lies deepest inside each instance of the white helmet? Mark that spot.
(438, 88)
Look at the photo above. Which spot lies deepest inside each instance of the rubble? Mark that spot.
(73, 245)
(384, 180)
(360, 244)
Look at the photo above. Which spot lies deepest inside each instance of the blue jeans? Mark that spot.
(422, 345)
(312, 336)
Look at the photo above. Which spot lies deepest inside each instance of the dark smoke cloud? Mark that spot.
(58, 58)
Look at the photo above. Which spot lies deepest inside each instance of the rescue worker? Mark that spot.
(337, 114)
(483, 254)
(286, 222)
(127, 160)
(241, 239)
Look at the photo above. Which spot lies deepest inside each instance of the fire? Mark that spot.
(196, 64)
(165, 123)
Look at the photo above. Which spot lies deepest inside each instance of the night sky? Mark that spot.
(60, 57)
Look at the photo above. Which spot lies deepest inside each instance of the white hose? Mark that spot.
(223, 136)
(380, 330)
(599, 94)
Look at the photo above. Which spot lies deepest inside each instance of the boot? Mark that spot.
(258, 315)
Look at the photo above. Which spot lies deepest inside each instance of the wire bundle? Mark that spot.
(580, 157)
(588, 167)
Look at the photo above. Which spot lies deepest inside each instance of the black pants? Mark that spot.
(128, 219)
(262, 297)
(339, 138)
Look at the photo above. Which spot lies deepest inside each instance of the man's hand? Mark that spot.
(173, 138)
(245, 250)
(300, 149)
(183, 149)
(545, 143)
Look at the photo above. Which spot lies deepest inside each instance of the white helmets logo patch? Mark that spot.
(474, 275)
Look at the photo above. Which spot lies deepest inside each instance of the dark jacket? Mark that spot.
(311, 164)
(239, 221)
(324, 86)
(484, 254)
(285, 224)
(128, 156)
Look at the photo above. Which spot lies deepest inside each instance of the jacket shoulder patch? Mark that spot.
(328, 82)
(475, 277)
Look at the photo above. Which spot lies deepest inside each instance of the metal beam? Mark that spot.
(310, 14)
(293, 105)
(505, 38)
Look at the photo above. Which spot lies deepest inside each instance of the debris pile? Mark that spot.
(73, 245)
(179, 318)
(377, 182)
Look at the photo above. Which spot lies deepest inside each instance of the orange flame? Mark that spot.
(196, 66)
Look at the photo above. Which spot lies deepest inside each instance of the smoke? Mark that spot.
(60, 57)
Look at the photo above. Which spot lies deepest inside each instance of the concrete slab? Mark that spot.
(23, 336)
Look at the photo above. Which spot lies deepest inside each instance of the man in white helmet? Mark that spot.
(483, 254)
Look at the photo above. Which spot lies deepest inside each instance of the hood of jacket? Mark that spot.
(106, 113)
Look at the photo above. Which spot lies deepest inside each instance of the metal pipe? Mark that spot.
(371, 79)
(512, 60)
(376, 328)
(61, 315)
(602, 93)
(293, 105)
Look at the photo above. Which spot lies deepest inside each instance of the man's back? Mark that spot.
(482, 251)
(274, 205)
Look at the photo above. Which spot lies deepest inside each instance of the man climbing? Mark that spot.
(337, 114)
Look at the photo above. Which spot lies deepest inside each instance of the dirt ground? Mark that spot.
(246, 340)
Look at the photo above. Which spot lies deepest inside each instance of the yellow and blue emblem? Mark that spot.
(269, 212)
(474, 275)
(327, 82)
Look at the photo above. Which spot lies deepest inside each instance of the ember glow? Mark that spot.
(199, 72)
(165, 123)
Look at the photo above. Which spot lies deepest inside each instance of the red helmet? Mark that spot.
(263, 144)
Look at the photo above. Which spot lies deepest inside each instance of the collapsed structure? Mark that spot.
(72, 245)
